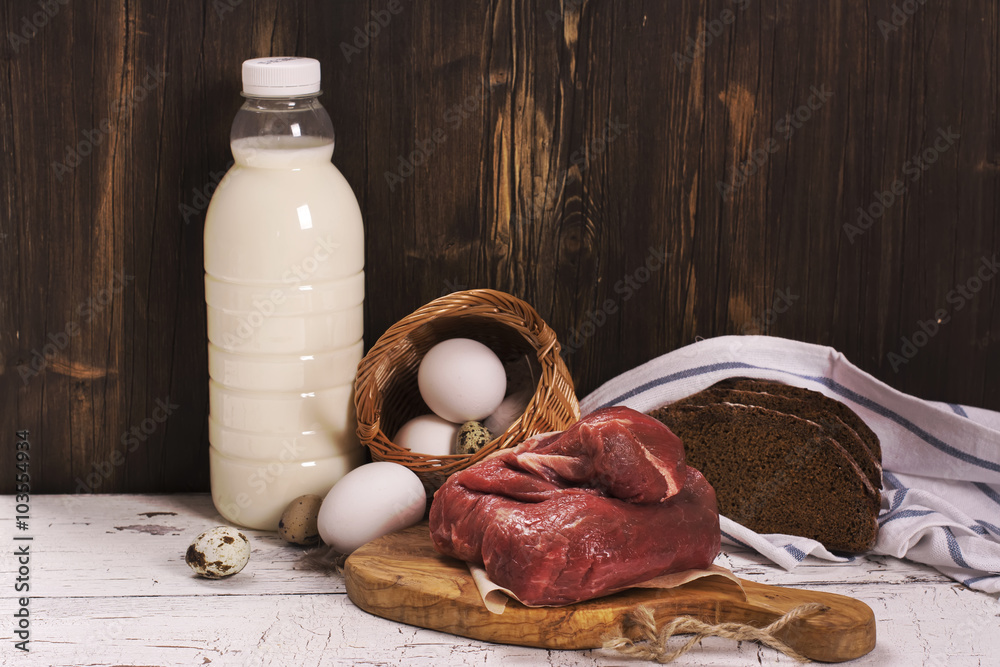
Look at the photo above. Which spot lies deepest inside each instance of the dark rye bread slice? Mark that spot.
(776, 473)
(843, 412)
(809, 410)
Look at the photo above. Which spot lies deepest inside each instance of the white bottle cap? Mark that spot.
(280, 77)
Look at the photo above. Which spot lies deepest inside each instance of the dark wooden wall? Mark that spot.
(571, 141)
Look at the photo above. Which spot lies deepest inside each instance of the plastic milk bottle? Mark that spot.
(284, 286)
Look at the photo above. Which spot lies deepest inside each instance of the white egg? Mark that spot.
(427, 434)
(461, 380)
(370, 501)
(510, 409)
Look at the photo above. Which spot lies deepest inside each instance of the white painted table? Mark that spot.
(109, 586)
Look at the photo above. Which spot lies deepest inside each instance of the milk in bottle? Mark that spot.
(284, 286)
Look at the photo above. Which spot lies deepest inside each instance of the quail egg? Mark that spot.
(472, 436)
(298, 521)
(217, 553)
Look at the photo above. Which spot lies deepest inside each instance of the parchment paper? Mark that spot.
(495, 597)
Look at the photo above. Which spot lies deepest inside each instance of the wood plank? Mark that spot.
(91, 609)
(329, 629)
(144, 539)
(508, 200)
(149, 534)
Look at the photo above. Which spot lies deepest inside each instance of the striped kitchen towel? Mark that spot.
(941, 495)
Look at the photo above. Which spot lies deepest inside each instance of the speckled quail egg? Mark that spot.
(472, 436)
(298, 521)
(217, 553)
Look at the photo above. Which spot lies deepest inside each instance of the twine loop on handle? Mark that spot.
(653, 645)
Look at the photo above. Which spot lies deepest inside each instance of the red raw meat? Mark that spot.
(566, 517)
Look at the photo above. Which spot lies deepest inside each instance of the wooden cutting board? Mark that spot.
(402, 578)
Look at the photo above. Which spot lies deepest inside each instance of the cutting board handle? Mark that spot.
(829, 627)
(641, 638)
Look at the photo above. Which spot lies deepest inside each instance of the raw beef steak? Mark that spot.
(571, 516)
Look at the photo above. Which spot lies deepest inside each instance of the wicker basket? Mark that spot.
(386, 393)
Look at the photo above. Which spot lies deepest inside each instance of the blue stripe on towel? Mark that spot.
(736, 541)
(905, 423)
(799, 554)
(900, 489)
(905, 514)
(989, 526)
(894, 480)
(897, 499)
(954, 549)
(680, 375)
(899, 492)
(958, 410)
(834, 386)
(973, 580)
(990, 493)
